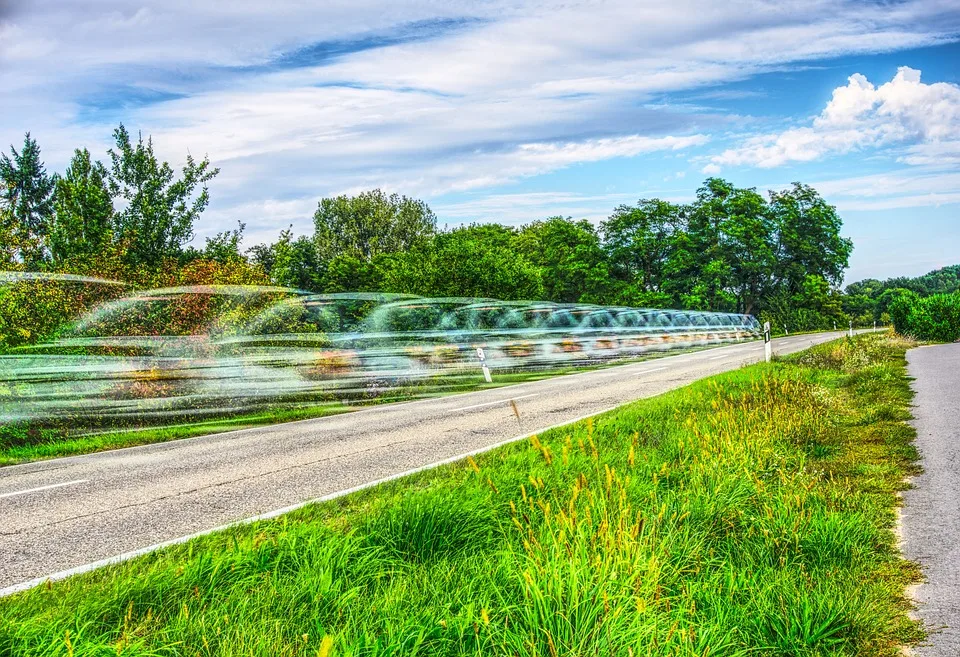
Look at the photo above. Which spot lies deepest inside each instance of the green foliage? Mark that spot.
(8, 240)
(371, 224)
(730, 250)
(639, 242)
(160, 210)
(34, 310)
(871, 299)
(83, 211)
(572, 263)
(935, 317)
(748, 514)
(223, 247)
(815, 306)
(474, 261)
(809, 237)
(27, 194)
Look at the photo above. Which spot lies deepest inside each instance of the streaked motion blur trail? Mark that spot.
(179, 353)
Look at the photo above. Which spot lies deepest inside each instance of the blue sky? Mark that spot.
(510, 112)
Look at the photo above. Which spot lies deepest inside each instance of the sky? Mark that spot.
(508, 111)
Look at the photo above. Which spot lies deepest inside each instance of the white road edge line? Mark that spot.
(126, 556)
(40, 488)
(499, 401)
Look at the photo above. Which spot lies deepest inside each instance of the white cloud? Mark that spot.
(521, 208)
(890, 191)
(500, 99)
(470, 171)
(924, 118)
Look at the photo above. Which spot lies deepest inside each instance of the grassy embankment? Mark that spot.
(750, 513)
(25, 444)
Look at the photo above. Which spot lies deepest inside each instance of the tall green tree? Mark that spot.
(748, 243)
(82, 210)
(371, 224)
(472, 261)
(28, 195)
(640, 242)
(809, 240)
(710, 278)
(161, 210)
(572, 263)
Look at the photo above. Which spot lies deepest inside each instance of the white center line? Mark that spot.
(494, 403)
(719, 357)
(39, 488)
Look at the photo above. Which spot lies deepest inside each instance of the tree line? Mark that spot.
(779, 256)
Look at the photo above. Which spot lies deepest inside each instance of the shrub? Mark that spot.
(31, 310)
(934, 318)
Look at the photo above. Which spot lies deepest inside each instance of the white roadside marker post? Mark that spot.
(851, 328)
(874, 327)
(483, 365)
(767, 346)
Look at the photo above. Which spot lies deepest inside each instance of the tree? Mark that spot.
(711, 274)
(160, 210)
(28, 196)
(8, 250)
(640, 242)
(291, 262)
(809, 241)
(295, 263)
(747, 237)
(371, 224)
(473, 261)
(82, 210)
(572, 264)
(224, 247)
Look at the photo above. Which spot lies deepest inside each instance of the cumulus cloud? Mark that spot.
(922, 118)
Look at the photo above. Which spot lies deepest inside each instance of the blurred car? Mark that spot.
(189, 351)
(154, 352)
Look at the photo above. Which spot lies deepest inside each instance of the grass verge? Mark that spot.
(747, 514)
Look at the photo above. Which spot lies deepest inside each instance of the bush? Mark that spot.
(934, 318)
(32, 310)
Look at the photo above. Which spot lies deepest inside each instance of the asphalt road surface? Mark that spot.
(63, 514)
(931, 513)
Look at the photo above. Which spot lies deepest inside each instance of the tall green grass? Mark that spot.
(749, 514)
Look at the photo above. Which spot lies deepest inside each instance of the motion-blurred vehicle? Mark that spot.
(198, 350)
(151, 353)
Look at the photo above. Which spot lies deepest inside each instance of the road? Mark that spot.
(931, 512)
(66, 513)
